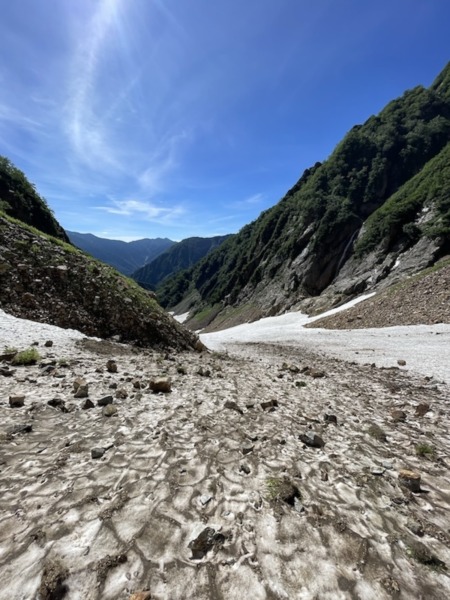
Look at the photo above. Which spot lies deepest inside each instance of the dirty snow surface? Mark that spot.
(273, 469)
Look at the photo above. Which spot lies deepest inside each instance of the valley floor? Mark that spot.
(214, 491)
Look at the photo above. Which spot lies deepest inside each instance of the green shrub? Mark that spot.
(26, 357)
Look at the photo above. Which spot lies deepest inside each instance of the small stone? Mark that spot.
(401, 362)
(121, 393)
(48, 344)
(105, 401)
(57, 403)
(81, 388)
(244, 469)
(109, 410)
(97, 452)
(140, 596)
(111, 366)
(323, 475)
(398, 416)
(315, 373)
(162, 384)
(409, 479)
(87, 404)
(16, 401)
(422, 409)
(377, 471)
(312, 439)
(270, 405)
(247, 448)
(7, 372)
(204, 372)
(203, 543)
(330, 419)
(233, 406)
(205, 499)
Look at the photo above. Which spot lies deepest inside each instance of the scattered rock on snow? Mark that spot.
(233, 406)
(409, 479)
(161, 384)
(422, 409)
(111, 366)
(110, 410)
(16, 401)
(105, 401)
(270, 405)
(206, 541)
(98, 452)
(312, 439)
(398, 416)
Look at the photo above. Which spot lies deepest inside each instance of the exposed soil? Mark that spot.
(423, 299)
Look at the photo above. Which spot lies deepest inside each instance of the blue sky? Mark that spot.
(148, 118)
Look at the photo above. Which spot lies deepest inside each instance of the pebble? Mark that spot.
(97, 452)
(409, 479)
(161, 384)
(109, 410)
(312, 440)
(16, 401)
(105, 401)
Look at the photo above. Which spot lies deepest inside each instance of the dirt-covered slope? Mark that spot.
(422, 299)
(47, 280)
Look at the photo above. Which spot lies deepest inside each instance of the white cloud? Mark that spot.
(254, 199)
(143, 210)
(248, 202)
(87, 132)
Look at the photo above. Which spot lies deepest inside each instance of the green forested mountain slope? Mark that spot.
(179, 256)
(19, 199)
(297, 248)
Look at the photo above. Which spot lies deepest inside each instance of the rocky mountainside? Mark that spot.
(180, 256)
(46, 280)
(19, 199)
(126, 257)
(374, 212)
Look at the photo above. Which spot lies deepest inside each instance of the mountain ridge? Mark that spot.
(180, 256)
(126, 257)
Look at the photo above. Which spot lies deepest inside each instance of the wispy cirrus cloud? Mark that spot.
(87, 130)
(249, 201)
(143, 210)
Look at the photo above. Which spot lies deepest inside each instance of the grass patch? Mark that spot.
(26, 357)
(10, 350)
(425, 450)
